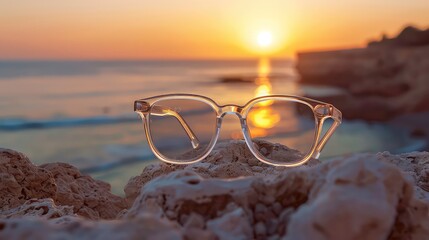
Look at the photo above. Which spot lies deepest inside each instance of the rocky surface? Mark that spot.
(61, 182)
(41, 208)
(386, 79)
(89, 197)
(361, 196)
(145, 227)
(21, 180)
(228, 159)
(416, 167)
(355, 198)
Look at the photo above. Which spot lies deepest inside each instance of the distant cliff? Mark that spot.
(409, 37)
(386, 79)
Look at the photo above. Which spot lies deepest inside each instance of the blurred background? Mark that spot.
(70, 71)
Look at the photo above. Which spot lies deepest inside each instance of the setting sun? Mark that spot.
(265, 39)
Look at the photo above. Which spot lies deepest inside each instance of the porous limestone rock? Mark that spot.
(63, 183)
(356, 198)
(228, 159)
(362, 196)
(144, 227)
(21, 180)
(41, 208)
(90, 198)
(416, 166)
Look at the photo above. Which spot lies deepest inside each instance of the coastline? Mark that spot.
(385, 82)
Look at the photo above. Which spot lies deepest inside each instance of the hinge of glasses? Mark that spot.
(324, 110)
(141, 106)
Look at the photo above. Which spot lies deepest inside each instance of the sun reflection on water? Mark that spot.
(263, 116)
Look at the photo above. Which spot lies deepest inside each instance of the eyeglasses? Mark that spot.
(184, 128)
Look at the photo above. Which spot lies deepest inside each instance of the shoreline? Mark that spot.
(416, 123)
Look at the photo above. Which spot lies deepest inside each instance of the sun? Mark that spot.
(265, 39)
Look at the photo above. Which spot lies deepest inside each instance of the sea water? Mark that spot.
(81, 112)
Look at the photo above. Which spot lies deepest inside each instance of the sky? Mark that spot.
(197, 29)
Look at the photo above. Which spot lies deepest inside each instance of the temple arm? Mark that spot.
(165, 111)
(336, 115)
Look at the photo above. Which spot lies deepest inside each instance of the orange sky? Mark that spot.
(173, 29)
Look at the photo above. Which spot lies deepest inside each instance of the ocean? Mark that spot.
(81, 112)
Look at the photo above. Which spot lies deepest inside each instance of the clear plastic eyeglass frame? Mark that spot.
(322, 111)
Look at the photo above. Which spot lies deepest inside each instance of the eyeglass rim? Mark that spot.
(319, 109)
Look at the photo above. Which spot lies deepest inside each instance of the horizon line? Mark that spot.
(140, 59)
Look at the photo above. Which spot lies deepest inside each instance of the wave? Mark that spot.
(17, 124)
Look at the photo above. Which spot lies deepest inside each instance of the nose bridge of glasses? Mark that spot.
(233, 110)
(230, 109)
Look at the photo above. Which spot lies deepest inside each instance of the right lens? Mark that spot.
(182, 129)
(284, 121)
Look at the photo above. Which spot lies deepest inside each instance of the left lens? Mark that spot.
(281, 121)
(182, 129)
